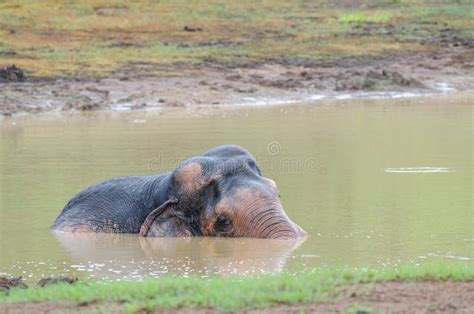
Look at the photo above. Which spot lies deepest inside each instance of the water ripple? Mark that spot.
(417, 170)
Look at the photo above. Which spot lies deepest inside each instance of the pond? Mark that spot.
(374, 182)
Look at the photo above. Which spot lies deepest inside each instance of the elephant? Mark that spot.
(220, 193)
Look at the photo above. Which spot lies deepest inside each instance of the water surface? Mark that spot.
(374, 182)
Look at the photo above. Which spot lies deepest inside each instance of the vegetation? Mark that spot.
(236, 293)
(360, 18)
(50, 38)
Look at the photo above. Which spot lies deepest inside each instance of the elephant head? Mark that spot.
(221, 193)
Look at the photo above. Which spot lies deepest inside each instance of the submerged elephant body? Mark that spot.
(221, 193)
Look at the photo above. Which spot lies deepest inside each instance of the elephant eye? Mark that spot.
(222, 224)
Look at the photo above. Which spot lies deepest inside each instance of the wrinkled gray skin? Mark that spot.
(221, 193)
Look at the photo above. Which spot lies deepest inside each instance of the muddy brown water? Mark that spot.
(374, 182)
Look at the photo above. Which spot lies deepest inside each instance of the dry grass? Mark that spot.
(56, 38)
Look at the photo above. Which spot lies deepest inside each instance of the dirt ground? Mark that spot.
(397, 297)
(139, 88)
(389, 297)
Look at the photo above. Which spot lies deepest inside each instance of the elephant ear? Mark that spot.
(153, 215)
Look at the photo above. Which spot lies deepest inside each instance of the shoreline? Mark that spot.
(427, 287)
(139, 88)
(391, 296)
(137, 115)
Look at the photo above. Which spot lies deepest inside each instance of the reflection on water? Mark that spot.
(121, 257)
(374, 182)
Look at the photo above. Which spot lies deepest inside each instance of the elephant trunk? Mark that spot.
(273, 223)
(257, 212)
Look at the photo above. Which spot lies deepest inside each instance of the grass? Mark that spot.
(361, 18)
(96, 38)
(358, 309)
(457, 11)
(236, 293)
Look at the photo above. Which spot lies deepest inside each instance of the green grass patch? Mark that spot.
(359, 309)
(458, 11)
(364, 18)
(236, 293)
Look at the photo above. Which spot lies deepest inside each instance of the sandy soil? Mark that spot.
(390, 297)
(139, 87)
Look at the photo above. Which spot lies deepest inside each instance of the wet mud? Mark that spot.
(6, 284)
(9, 283)
(139, 87)
(12, 74)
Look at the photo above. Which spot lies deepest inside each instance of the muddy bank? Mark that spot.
(392, 297)
(148, 86)
(6, 284)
